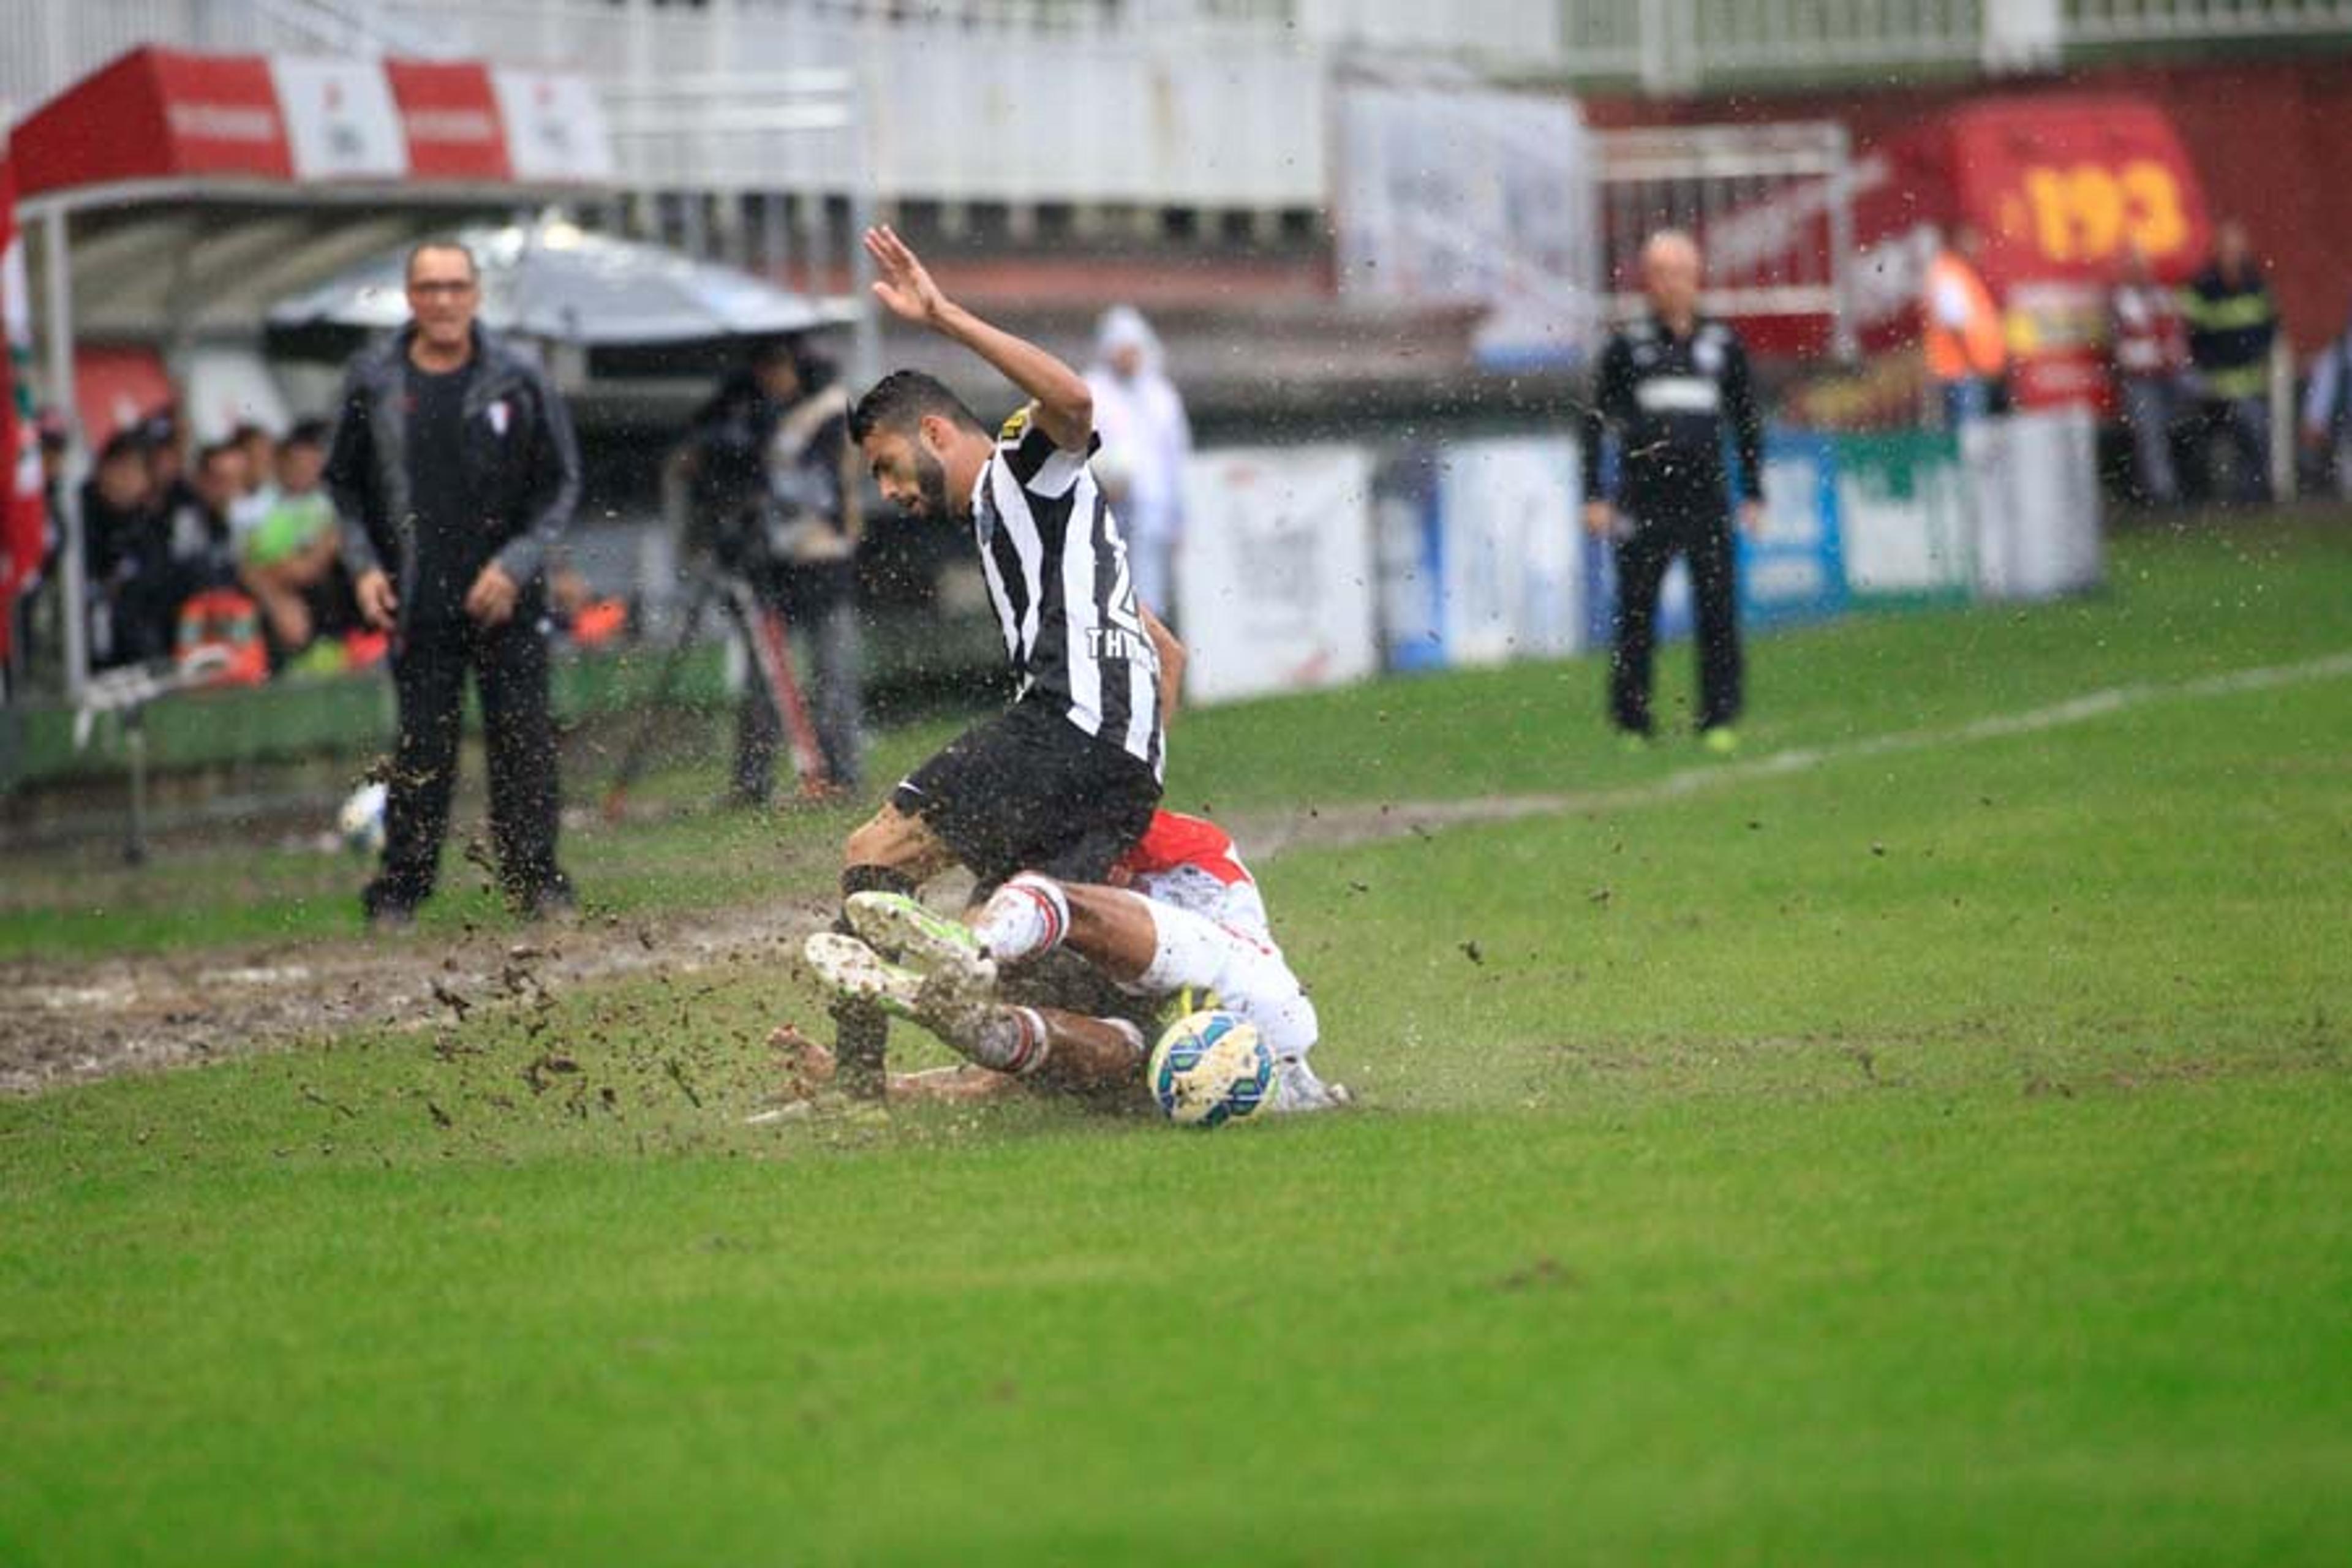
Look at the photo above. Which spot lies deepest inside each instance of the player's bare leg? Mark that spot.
(891, 852)
(1032, 915)
(1056, 1048)
(1161, 950)
(809, 1069)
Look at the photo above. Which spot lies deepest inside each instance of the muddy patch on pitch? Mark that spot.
(71, 1021)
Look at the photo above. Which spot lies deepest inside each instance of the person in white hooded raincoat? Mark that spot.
(1146, 439)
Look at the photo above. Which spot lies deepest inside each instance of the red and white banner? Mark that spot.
(166, 114)
(156, 114)
(340, 121)
(23, 519)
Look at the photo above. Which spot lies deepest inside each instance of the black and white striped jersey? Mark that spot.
(1671, 403)
(1056, 570)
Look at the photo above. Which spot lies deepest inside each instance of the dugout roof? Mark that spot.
(200, 187)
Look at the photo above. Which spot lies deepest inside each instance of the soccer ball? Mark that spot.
(360, 821)
(1210, 1067)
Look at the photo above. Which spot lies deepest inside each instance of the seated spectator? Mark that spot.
(196, 520)
(148, 559)
(167, 458)
(260, 449)
(290, 560)
(122, 546)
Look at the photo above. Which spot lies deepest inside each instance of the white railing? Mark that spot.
(2195, 21)
(986, 104)
(1181, 102)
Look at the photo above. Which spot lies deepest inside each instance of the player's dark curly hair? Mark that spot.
(900, 401)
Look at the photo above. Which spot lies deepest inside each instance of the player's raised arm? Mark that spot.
(1065, 407)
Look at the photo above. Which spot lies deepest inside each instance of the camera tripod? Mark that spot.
(770, 641)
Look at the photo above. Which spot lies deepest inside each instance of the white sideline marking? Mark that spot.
(2080, 709)
(1390, 821)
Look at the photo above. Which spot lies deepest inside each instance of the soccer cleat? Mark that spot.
(850, 968)
(938, 946)
(957, 1014)
(1632, 742)
(1720, 739)
(1297, 1090)
(1028, 916)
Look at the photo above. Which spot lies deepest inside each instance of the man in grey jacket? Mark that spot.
(454, 469)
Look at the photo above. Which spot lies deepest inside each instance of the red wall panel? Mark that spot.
(2271, 141)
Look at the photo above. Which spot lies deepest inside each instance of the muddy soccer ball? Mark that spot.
(1210, 1067)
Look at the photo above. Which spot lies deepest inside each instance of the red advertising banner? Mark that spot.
(450, 116)
(157, 114)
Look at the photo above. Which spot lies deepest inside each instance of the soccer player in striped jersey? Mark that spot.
(1065, 780)
(1181, 924)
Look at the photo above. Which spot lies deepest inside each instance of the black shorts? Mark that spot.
(1029, 791)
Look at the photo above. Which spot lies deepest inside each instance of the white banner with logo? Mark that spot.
(1275, 577)
(340, 121)
(555, 127)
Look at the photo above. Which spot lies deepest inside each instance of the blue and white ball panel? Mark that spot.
(1210, 1067)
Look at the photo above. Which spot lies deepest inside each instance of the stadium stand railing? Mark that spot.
(1239, 77)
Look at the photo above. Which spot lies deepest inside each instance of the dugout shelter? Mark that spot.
(171, 196)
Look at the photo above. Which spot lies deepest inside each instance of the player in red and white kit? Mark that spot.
(1181, 919)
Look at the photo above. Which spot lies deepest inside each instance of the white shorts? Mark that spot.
(1250, 977)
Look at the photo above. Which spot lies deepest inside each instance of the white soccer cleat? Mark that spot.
(1027, 917)
(943, 948)
(941, 1003)
(1298, 1091)
(849, 968)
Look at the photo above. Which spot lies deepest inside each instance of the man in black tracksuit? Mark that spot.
(1670, 387)
(454, 457)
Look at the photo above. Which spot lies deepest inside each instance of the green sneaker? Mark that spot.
(1722, 740)
(1632, 742)
(848, 967)
(942, 948)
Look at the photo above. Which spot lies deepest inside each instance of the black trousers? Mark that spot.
(509, 667)
(1642, 558)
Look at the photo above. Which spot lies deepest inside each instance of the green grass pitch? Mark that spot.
(1926, 1139)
